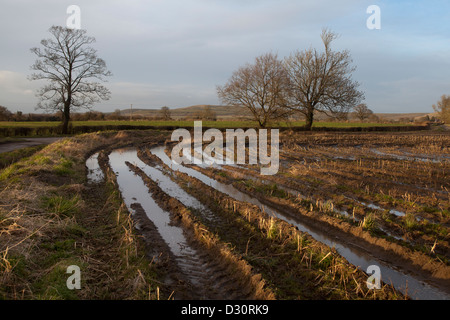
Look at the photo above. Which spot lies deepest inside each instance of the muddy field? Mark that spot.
(341, 202)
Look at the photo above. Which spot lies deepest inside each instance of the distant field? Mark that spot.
(48, 129)
(216, 124)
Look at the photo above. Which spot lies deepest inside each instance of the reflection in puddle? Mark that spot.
(410, 157)
(167, 185)
(133, 191)
(374, 206)
(95, 173)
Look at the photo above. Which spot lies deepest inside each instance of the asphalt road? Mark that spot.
(26, 142)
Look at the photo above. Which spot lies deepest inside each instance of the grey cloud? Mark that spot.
(174, 52)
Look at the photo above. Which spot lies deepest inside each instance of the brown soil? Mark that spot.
(319, 179)
(220, 276)
(255, 245)
(422, 265)
(240, 254)
(38, 240)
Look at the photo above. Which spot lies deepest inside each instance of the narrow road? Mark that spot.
(26, 142)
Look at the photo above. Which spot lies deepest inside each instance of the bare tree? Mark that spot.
(18, 116)
(73, 70)
(208, 114)
(164, 113)
(321, 82)
(362, 112)
(261, 87)
(5, 114)
(442, 107)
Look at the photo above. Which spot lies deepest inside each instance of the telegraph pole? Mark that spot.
(131, 113)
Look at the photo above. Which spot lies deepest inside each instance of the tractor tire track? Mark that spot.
(208, 275)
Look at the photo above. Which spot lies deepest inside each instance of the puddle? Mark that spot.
(376, 207)
(133, 191)
(292, 192)
(95, 173)
(167, 185)
(228, 189)
(410, 157)
(416, 289)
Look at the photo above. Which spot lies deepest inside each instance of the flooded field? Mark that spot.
(339, 204)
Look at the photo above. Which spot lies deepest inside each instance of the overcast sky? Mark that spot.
(175, 52)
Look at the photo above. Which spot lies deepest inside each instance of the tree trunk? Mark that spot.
(309, 119)
(66, 117)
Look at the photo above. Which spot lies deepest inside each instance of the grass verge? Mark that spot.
(50, 219)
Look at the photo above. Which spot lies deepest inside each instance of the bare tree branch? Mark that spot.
(442, 107)
(321, 82)
(261, 87)
(71, 67)
(362, 112)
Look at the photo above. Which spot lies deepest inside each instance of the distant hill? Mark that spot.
(222, 112)
(400, 116)
(236, 112)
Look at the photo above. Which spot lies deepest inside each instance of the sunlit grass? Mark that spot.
(213, 124)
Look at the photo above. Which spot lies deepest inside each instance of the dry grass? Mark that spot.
(238, 269)
(294, 265)
(49, 220)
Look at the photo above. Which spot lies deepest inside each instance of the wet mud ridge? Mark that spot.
(191, 276)
(220, 233)
(236, 222)
(197, 266)
(204, 275)
(423, 289)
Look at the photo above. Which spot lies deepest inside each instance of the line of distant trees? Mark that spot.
(6, 115)
(207, 114)
(361, 113)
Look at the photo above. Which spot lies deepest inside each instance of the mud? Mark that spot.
(211, 276)
(285, 226)
(422, 267)
(197, 271)
(200, 269)
(231, 231)
(159, 253)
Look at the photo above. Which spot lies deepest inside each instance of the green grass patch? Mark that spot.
(53, 284)
(182, 123)
(369, 222)
(222, 174)
(268, 189)
(61, 206)
(41, 129)
(24, 161)
(13, 172)
(64, 167)
(410, 222)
